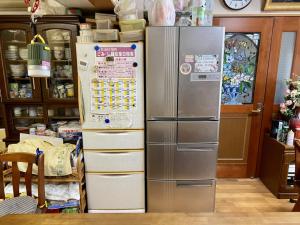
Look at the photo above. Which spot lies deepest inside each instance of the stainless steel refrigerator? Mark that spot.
(183, 97)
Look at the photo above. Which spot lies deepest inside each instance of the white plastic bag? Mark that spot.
(125, 9)
(162, 13)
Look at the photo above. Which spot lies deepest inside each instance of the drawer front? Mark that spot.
(115, 191)
(161, 132)
(181, 196)
(198, 131)
(181, 162)
(113, 161)
(122, 139)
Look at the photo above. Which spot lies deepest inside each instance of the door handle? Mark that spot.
(195, 149)
(163, 118)
(259, 108)
(256, 111)
(199, 118)
(187, 184)
(194, 185)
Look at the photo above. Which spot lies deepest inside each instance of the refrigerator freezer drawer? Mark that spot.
(115, 191)
(113, 139)
(113, 161)
(181, 196)
(161, 132)
(198, 131)
(173, 162)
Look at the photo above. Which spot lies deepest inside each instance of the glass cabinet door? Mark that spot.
(64, 121)
(62, 84)
(24, 117)
(16, 85)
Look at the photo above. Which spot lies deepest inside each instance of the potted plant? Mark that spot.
(290, 108)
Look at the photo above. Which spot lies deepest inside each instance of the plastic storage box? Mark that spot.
(130, 25)
(132, 36)
(104, 16)
(106, 35)
(104, 24)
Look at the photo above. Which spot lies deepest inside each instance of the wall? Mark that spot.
(254, 9)
(17, 7)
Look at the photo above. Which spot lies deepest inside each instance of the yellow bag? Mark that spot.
(57, 158)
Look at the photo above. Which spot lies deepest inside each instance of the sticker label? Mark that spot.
(206, 63)
(189, 59)
(83, 65)
(186, 68)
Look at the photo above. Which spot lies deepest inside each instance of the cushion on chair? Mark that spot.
(18, 205)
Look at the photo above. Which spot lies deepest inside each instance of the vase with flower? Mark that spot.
(290, 108)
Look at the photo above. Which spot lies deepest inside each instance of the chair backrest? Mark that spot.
(30, 159)
(297, 162)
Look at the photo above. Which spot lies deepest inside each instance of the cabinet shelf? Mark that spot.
(62, 78)
(16, 60)
(64, 117)
(28, 117)
(61, 61)
(59, 42)
(15, 42)
(19, 78)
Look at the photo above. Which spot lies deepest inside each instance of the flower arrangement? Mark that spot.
(291, 99)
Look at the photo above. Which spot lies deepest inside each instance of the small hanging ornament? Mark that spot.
(35, 6)
(34, 10)
(39, 57)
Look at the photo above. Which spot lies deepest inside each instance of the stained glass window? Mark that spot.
(239, 72)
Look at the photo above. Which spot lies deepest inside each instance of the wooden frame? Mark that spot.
(264, 26)
(272, 6)
(282, 24)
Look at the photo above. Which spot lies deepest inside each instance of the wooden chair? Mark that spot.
(30, 159)
(297, 174)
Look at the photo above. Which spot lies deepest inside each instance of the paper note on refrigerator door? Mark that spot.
(115, 62)
(206, 63)
(114, 88)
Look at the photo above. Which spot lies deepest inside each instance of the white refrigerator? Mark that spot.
(111, 101)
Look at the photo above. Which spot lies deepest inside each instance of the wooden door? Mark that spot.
(247, 48)
(16, 86)
(61, 87)
(284, 61)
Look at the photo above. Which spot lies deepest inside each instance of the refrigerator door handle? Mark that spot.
(111, 132)
(187, 184)
(113, 153)
(162, 118)
(198, 118)
(113, 175)
(200, 149)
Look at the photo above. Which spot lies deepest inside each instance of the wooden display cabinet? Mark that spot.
(276, 158)
(20, 91)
